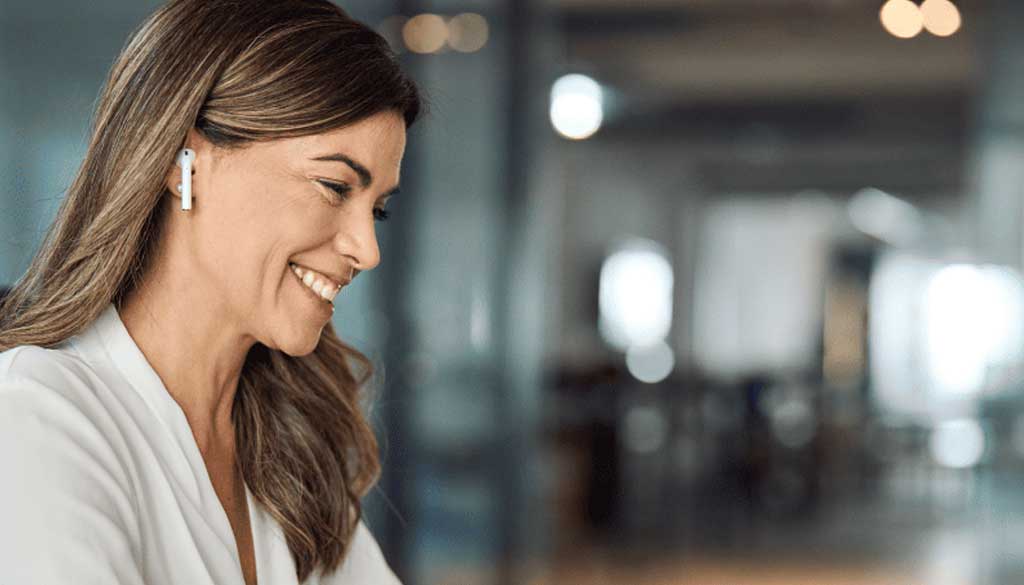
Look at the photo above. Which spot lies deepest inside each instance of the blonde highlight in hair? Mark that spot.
(238, 71)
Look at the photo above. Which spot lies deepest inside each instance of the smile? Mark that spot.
(322, 286)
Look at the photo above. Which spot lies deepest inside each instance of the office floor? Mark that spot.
(708, 571)
(595, 570)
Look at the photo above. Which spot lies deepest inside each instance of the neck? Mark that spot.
(194, 343)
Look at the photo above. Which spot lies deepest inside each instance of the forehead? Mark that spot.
(377, 142)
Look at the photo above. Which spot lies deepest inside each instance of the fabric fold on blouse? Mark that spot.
(103, 482)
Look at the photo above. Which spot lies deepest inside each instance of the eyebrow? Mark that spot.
(365, 178)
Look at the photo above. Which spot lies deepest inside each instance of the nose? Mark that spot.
(357, 238)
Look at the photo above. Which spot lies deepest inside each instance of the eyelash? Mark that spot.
(342, 190)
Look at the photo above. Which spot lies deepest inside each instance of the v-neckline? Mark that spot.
(235, 479)
(136, 369)
(253, 532)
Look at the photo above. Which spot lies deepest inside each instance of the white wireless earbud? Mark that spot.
(185, 159)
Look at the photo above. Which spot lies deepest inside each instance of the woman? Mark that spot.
(175, 406)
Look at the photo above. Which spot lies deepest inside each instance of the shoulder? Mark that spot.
(50, 378)
(67, 501)
(365, 563)
(49, 366)
(48, 401)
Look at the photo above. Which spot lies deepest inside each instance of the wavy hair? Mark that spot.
(238, 71)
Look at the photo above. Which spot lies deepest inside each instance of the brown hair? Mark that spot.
(238, 71)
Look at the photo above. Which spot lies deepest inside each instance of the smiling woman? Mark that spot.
(175, 405)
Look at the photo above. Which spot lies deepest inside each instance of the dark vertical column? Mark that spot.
(511, 449)
(397, 484)
(998, 197)
(999, 164)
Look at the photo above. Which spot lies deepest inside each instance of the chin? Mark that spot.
(298, 343)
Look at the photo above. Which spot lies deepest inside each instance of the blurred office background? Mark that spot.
(676, 292)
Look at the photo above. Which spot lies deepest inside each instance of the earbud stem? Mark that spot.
(185, 159)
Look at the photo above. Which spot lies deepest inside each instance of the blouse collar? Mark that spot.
(106, 343)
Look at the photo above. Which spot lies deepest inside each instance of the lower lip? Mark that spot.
(321, 303)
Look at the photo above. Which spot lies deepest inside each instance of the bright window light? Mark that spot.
(942, 334)
(972, 320)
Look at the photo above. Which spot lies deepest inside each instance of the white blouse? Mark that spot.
(102, 482)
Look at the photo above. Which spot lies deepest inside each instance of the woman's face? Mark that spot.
(266, 210)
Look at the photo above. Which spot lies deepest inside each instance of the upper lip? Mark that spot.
(339, 280)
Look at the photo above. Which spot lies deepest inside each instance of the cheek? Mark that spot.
(238, 248)
(252, 233)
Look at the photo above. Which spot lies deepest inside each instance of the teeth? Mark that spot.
(316, 282)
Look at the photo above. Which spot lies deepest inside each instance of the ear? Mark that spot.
(203, 148)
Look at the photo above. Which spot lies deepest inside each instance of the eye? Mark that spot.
(341, 190)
